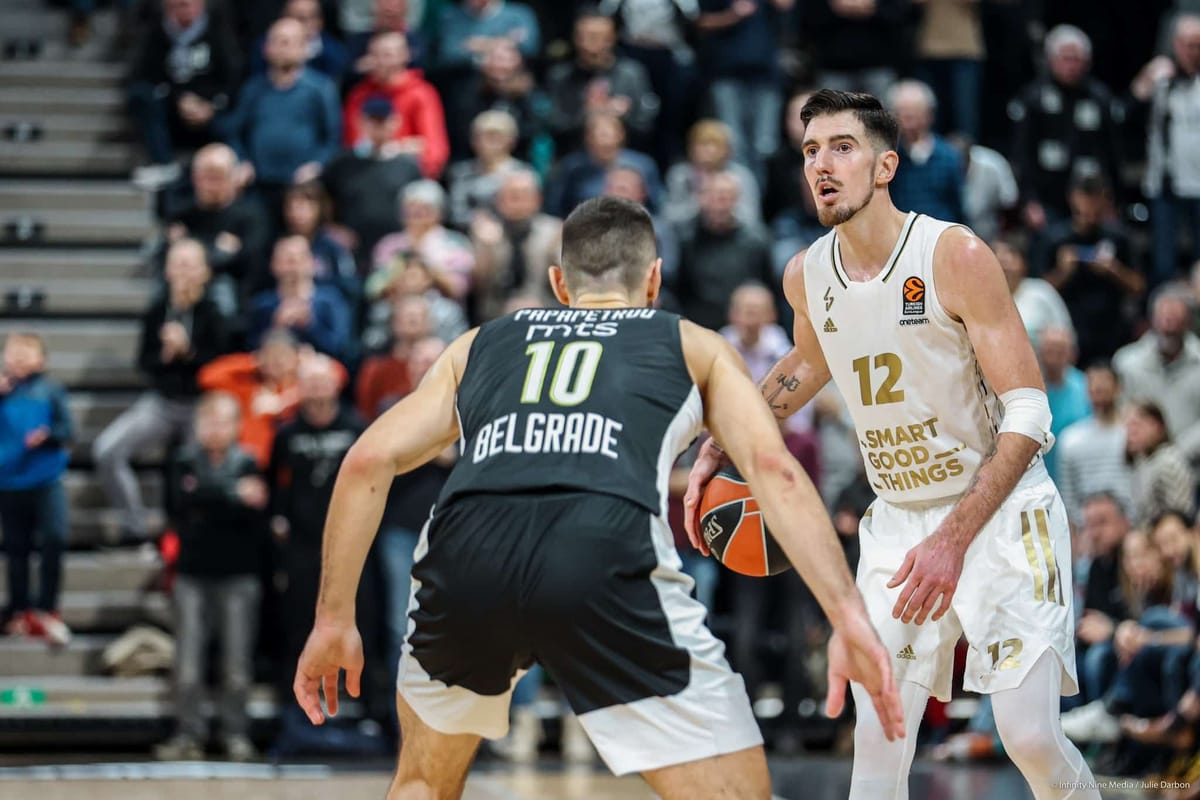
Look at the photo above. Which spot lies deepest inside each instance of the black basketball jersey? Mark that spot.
(575, 400)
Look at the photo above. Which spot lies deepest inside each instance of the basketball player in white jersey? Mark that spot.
(912, 319)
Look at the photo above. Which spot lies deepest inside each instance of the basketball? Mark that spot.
(733, 528)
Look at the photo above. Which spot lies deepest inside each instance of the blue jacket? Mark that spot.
(35, 402)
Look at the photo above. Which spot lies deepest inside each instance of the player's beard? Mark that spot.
(831, 216)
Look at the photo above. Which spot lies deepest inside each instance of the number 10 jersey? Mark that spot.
(925, 417)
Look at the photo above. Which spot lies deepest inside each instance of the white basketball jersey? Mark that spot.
(924, 414)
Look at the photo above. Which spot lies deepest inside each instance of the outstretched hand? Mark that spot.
(710, 459)
(856, 654)
(329, 649)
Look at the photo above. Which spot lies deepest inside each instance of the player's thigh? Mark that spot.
(1015, 598)
(432, 765)
(733, 776)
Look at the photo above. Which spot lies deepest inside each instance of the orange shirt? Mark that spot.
(262, 406)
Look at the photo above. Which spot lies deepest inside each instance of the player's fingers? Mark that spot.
(889, 694)
(835, 701)
(911, 587)
(917, 599)
(691, 515)
(353, 678)
(330, 681)
(901, 575)
(305, 689)
(945, 605)
(930, 603)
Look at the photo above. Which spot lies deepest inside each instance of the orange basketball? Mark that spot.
(914, 289)
(733, 528)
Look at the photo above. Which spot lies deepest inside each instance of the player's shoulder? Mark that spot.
(959, 253)
(702, 348)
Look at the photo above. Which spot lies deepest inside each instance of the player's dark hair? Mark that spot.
(880, 124)
(607, 240)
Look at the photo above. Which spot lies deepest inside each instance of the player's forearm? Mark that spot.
(797, 519)
(355, 511)
(995, 480)
(789, 386)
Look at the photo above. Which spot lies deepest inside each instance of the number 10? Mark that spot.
(573, 376)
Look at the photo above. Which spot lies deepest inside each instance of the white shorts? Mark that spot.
(1014, 599)
(590, 587)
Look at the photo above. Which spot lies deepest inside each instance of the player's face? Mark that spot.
(839, 165)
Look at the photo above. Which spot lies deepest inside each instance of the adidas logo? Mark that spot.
(829, 326)
(907, 653)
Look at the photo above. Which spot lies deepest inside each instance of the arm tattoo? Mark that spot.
(784, 383)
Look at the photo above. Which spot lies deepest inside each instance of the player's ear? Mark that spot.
(885, 170)
(653, 281)
(558, 282)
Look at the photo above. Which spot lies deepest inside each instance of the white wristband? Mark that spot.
(1027, 412)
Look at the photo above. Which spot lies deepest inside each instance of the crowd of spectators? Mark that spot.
(345, 186)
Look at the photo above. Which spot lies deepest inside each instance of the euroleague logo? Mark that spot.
(914, 301)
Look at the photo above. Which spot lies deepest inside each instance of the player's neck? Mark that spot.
(604, 300)
(867, 240)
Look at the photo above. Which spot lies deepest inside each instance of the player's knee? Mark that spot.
(1029, 739)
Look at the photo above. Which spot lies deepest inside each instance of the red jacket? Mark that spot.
(418, 111)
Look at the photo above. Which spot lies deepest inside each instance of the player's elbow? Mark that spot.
(366, 458)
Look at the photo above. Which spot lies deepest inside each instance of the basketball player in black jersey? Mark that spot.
(550, 541)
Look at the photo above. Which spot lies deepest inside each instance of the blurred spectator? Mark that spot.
(599, 80)
(1163, 366)
(363, 20)
(182, 330)
(306, 213)
(405, 276)
(654, 33)
(316, 314)
(858, 45)
(1066, 387)
(1091, 452)
(740, 57)
(1172, 179)
(365, 181)
(409, 503)
(1105, 526)
(515, 247)
(285, 120)
(305, 459)
(1067, 126)
(502, 83)
(1180, 547)
(1090, 270)
(752, 330)
(215, 502)
(718, 253)
(628, 183)
(468, 28)
(233, 228)
(325, 54)
(383, 379)
(788, 202)
(184, 73)
(930, 177)
(1162, 479)
(420, 122)
(989, 190)
(950, 53)
(447, 254)
(35, 429)
(473, 184)
(579, 175)
(710, 150)
(263, 383)
(1038, 303)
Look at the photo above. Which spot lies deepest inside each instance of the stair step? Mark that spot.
(72, 195)
(60, 73)
(127, 570)
(55, 226)
(88, 688)
(21, 100)
(91, 413)
(103, 340)
(114, 611)
(56, 264)
(59, 158)
(84, 492)
(100, 127)
(96, 528)
(114, 296)
(29, 657)
(92, 371)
